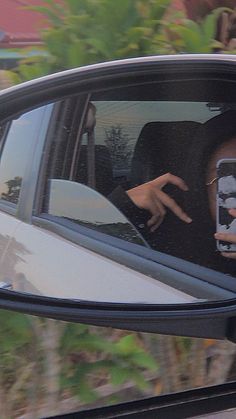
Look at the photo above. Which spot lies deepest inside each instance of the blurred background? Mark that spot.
(49, 367)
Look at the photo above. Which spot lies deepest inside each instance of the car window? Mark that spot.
(15, 154)
(122, 144)
(70, 195)
(120, 127)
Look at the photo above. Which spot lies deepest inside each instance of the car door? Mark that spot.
(18, 139)
(31, 262)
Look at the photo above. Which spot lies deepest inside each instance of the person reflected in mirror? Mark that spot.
(182, 222)
(215, 140)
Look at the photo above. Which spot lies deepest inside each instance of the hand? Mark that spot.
(231, 238)
(150, 196)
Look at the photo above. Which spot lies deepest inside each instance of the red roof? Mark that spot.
(20, 27)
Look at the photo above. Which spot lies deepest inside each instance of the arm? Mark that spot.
(120, 198)
(149, 199)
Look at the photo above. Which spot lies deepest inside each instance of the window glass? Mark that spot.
(123, 144)
(80, 177)
(120, 123)
(15, 154)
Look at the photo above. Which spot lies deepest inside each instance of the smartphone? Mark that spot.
(226, 199)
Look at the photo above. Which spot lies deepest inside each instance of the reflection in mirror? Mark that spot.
(83, 205)
(15, 152)
(149, 139)
(137, 166)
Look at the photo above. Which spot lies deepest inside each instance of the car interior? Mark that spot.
(152, 138)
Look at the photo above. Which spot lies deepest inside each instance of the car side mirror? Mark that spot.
(76, 243)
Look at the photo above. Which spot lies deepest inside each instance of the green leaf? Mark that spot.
(76, 55)
(74, 6)
(144, 360)
(158, 9)
(193, 26)
(209, 27)
(138, 379)
(127, 345)
(99, 45)
(191, 39)
(85, 393)
(119, 375)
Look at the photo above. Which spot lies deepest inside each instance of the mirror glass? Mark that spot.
(112, 196)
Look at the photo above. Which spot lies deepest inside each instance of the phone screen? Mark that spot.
(226, 199)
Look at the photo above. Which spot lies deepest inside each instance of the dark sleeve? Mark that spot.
(137, 216)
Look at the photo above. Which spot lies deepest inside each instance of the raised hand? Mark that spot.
(228, 237)
(151, 197)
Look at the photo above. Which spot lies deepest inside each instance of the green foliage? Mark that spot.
(191, 37)
(16, 357)
(93, 358)
(90, 357)
(16, 331)
(90, 31)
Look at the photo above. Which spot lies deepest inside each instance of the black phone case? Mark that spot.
(226, 199)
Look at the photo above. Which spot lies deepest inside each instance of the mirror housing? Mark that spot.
(203, 319)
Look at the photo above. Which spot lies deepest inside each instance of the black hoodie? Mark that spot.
(194, 242)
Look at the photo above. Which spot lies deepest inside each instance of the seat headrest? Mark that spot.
(160, 148)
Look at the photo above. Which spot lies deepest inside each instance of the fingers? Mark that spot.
(154, 207)
(169, 178)
(175, 208)
(157, 218)
(168, 202)
(150, 196)
(232, 212)
(229, 255)
(226, 237)
(154, 222)
(160, 207)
